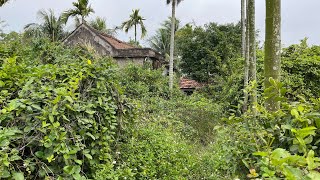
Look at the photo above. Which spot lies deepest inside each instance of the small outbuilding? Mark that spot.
(188, 86)
(106, 45)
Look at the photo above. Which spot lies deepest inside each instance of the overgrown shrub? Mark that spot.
(59, 120)
(153, 153)
(140, 82)
(301, 69)
(287, 145)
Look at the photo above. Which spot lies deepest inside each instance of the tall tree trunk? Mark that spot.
(243, 27)
(272, 59)
(135, 33)
(173, 21)
(252, 52)
(246, 54)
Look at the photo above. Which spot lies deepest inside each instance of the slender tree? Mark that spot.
(51, 26)
(161, 40)
(252, 51)
(272, 59)
(81, 10)
(134, 21)
(245, 52)
(174, 3)
(243, 27)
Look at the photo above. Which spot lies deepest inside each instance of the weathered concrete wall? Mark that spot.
(123, 62)
(84, 36)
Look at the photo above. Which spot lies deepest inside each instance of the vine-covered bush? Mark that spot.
(287, 140)
(152, 153)
(140, 82)
(301, 70)
(59, 121)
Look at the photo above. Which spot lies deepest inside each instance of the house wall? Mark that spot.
(122, 62)
(84, 36)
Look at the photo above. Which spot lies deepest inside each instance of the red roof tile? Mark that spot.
(116, 43)
(189, 84)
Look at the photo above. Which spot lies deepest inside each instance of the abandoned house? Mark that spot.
(123, 53)
(106, 45)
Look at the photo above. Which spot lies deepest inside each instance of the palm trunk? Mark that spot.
(246, 57)
(135, 33)
(243, 26)
(272, 59)
(173, 18)
(252, 52)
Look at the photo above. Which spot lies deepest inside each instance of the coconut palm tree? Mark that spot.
(134, 21)
(272, 57)
(174, 3)
(100, 24)
(2, 2)
(51, 26)
(161, 40)
(81, 10)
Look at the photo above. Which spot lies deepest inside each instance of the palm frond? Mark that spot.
(176, 1)
(51, 26)
(81, 8)
(2, 2)
(143, 29)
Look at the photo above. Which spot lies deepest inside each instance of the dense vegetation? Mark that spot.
(68, 113)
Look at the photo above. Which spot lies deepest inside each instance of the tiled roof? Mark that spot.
(120, 48)
(116, 43)
(186, 83)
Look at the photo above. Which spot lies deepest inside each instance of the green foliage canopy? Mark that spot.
(208, 51)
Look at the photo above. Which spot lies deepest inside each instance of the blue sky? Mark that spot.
(300, 18)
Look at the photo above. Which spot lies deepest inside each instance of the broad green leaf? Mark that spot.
(295, 113)
(18, 176)
(68, 98)
(310, 160)
(78, 161)
(300, 108)
(89, 134)
(279, 153)
(88, 156)
(314, 175)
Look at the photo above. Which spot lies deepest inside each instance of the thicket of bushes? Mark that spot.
(59, 120)
(67, 114)
(70, 114)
